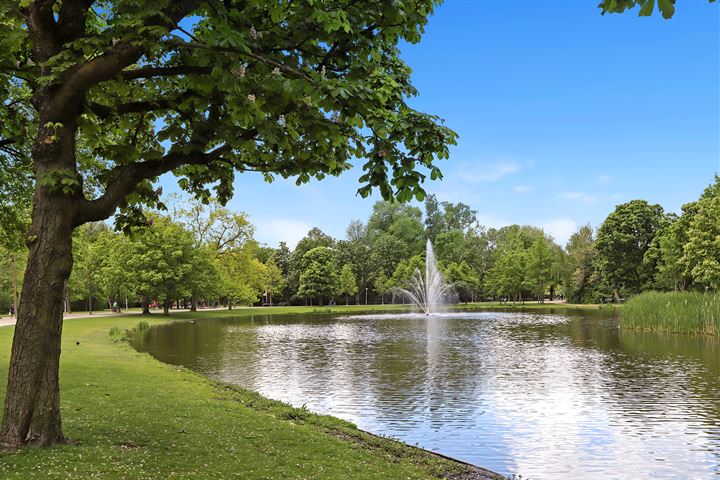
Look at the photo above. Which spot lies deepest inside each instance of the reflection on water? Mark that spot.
(544, 396)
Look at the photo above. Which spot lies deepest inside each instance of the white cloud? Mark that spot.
(275, 230)
(604, 179)
(560, 229)
(578, 197)
(522, 189)
(487, 172)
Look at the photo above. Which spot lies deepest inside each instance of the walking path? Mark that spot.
(6, 320)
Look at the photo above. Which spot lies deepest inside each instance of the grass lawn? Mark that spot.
(133, 417)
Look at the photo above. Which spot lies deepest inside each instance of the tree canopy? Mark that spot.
(209, 89)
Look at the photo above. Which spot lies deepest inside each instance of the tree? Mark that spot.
(355, 251)
(382, 285)
(463, 279)
(217, 228)
(347, 283)
(701, 253)
(623, 239)
(385, 254)
(666, 7)
(314, 238)
(160, 258)
(274, 280)
(117, 99)
(539, 263)
(581, 253)
(434, 219)
(319, 277)
(84, 281)
(450, 246)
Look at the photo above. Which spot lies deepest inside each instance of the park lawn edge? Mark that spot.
(132, 416)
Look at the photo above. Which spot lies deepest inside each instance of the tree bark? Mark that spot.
(32, 404)
(193, 303)
(166, 307)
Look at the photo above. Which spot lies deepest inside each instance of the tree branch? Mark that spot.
(243, 53)
(126, 177)
(149, 72)
(71, 18)
(112, 62)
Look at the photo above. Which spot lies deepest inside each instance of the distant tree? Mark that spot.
(622, 240)
(463, 279)
(282, 258)
(382, 285)
(701, 253)
(84, 282)
(434, 219)
(314, 238)
(385, 214)
(581, 259)
(355, 251)
(405, 271)
(218, 230)
(458, 216)
(347, 284)
(160, 259)
(319, 277)
(242, 275)
(450, 246)
(385, 254)
(273, 280)
(539, 264)
(115, 278)
(507, 276)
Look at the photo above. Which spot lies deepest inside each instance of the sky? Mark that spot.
(562, 114)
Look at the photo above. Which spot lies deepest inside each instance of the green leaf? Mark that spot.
(648, 7)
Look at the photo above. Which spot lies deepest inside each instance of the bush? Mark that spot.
(114, 331)
(678, 312)
(142, 325)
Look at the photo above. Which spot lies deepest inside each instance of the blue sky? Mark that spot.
(562, 114)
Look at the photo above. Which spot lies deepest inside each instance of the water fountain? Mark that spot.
(428, 293)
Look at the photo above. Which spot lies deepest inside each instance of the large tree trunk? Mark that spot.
(32, 403)
(193, 303)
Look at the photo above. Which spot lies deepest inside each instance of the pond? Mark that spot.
(545, 396)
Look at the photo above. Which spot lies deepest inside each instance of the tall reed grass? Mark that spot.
(677, 312)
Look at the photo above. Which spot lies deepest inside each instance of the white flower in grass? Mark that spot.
(251, 97)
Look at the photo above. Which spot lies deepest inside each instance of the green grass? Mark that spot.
(133, 417)
(673, 312)
(533, 305)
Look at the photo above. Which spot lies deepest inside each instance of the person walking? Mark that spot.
(12, 310)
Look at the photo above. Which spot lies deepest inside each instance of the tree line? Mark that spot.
(205, 254)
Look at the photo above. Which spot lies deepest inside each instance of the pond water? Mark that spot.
(545, 396)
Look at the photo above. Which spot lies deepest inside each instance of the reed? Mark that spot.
(676, 312)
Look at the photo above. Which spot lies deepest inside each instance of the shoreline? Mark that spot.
(116, 406)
